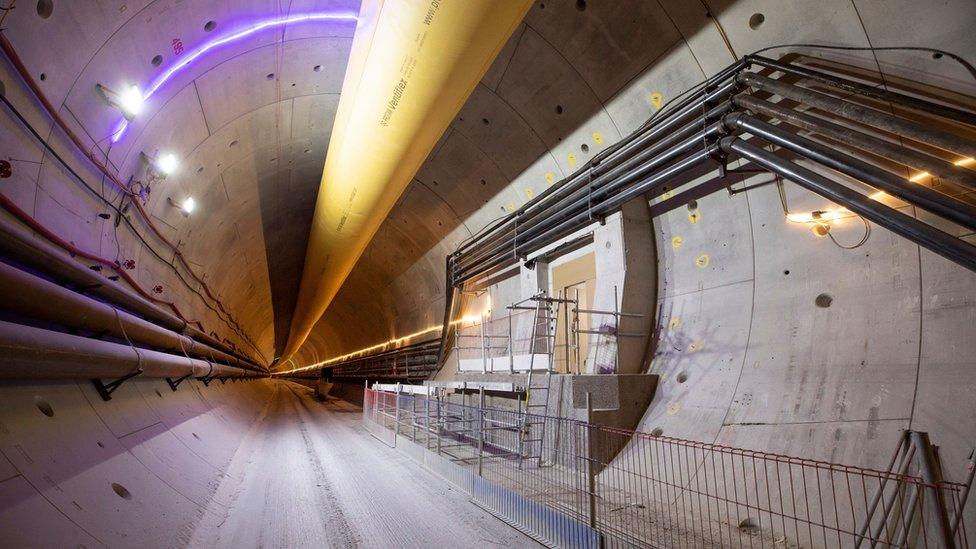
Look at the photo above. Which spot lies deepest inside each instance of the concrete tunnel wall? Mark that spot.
(763, 366)
(140, 470)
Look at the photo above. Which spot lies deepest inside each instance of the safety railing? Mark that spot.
(637, 489)
(411, 363)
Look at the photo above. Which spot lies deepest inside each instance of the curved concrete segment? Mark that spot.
(763, 330)
(242, 464)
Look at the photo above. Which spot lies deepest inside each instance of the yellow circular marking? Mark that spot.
(676, 242)
(571, 159)
(673, 408)
(550, 178)
(667, 194)
(675, 323)
(510, 207)
(656, 99)
(529, 193)
(598, 138)
(701, 261)
(694, 216)
(695, 346)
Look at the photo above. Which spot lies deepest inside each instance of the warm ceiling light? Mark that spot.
(167, 163)
(919, 176)
(130, 101)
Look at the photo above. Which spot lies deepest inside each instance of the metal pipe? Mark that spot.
(853, 111)
(604, 208)
(40, 299)
(933, 201)
(35, 353)
(925, 235)
(584, 201)
(868, 91)
(897, 153)
(635, 152)
(928, 464)
(8, 50)
(18, 245)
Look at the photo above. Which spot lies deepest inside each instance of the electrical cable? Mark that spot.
(119, 212)
(867, 234)
(15, 60)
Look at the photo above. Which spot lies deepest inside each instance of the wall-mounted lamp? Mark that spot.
(185, 207)
(166, 163)
(129, 100)
(160, 165)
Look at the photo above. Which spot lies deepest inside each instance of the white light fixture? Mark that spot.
(130, 101)
(186, 207)
(167, 163)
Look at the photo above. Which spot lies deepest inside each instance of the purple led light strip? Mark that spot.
(198, 52)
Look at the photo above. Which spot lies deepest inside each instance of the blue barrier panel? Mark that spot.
(548, 526)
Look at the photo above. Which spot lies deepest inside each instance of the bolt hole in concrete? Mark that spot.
(270, 76)
(210, 25)
(234, 143)
(196, 436)
(581, 5)
(157, 61)
(693, 205)
(585, 148)
(756, 21)
(749, 526)
(200, 169)
(682, 377)
(160, 395)
(100, 445)
(43, 76)
(45, 8)
(559, 109)
(786, 272)
(317, 68)
(121, 491)
(937, 55)
(657, 432)
(485, 121)
(823, 300)
(44, 406)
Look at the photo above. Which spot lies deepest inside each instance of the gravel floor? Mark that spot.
(308, 475)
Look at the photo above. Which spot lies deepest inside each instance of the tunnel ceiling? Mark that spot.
(250, 122)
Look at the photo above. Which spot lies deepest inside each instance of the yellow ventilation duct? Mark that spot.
(412, 66)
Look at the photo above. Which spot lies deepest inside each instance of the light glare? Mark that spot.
(167, 163)
(188, 205)
(130, 101)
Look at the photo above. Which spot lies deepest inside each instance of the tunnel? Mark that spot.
(445, 273)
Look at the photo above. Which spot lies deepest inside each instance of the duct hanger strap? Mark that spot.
(209, 376)
(174, 384)
(105, 390)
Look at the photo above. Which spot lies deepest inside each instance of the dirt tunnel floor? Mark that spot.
(308, 475)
